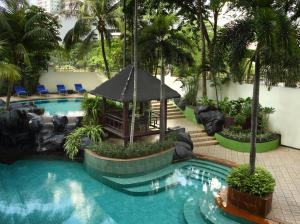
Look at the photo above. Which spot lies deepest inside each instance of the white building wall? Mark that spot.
(286, 119)
(89, 80)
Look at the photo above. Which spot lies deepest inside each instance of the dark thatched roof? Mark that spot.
(120, 87)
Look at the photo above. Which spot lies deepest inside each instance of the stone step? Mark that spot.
(206, 143)
(157, 110)
(203, 139)
(175, 117)
(196, 131)
(198, 135)
(168, 107)
(173, 113)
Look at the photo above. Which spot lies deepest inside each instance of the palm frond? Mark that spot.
(9, 72)
(21, 52)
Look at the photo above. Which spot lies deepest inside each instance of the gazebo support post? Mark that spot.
(166, 114)
(125, 122)
(104, 105)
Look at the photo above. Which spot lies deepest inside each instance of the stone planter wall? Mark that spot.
(257, 205)
(98, 165)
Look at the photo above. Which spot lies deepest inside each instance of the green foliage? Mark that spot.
(205, 101)
(30, 34)
(190, 83)
(236, 133)
(134, 150)
(260, 183)
(74, 140)
(93, 110)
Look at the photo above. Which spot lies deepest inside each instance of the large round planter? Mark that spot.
(245, 146)
(97, 165)
(260, 206)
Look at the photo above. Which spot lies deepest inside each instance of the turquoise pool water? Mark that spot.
(47, 191)
(68, 107)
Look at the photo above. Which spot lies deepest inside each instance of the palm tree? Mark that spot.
(162, 39)
(9, 73)
(94, 15)
(135, 66)
(276, 56)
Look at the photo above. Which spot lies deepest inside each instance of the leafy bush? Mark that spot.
(74, 140)
(135, 150)
(205, 101)
(260, 183)
(236, 133)
(93, 109)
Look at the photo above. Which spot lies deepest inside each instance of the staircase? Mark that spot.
(200, 138)
(172, 110)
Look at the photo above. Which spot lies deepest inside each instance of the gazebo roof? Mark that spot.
(120, 87)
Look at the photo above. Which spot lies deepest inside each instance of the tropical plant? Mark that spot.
(205, 101)
(74, 140)
(93, 109)
(276, 55)
(30, 34)
(261, 183)
(134, 150)
(162, 39)
(94, 16)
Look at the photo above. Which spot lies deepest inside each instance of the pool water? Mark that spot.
(62, 107)
(49, 191)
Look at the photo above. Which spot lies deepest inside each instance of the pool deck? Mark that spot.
(283, 163)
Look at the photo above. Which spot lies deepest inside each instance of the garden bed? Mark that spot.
(99, 165)
(242, 146)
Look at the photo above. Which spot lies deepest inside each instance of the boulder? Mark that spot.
(29, 107)
(60, 123)
(2, 103)
(186, 138)
(176, 130)
(182, 151)
(181, 103)
(212, 120)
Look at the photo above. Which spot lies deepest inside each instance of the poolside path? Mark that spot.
(283, 163)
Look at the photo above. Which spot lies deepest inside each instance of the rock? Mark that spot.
(213, 121)
(59, 123)
(29, 107)
(85, 142)
(182, 151)
(2, 103)
(52, 141)
(181, 103)
(186, 138)
(176, 130)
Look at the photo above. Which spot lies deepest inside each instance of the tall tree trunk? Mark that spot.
(212, 51)
(162, 121)
(254, 113)
(104, 55)
(135, 64)
(8, 95)
(125, 35)
(203, 48)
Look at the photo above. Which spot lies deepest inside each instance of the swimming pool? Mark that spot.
(62, 107)
(49, 191)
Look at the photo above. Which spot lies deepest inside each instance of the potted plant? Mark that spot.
(251, 192)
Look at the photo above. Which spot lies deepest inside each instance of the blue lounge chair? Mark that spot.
(42, 90)
(61, 89)
(20, 91)
(79, 88)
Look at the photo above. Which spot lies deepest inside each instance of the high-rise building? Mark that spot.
(51, 6)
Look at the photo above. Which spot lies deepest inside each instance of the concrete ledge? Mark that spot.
(98, 165)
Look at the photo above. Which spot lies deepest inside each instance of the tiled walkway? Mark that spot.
(284, 164)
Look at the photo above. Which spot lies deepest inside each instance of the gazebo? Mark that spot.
(120, 89)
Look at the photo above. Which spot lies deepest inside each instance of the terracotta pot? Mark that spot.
(260, 206)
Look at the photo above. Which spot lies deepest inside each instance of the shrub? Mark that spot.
(135, 150)
(236, 133)
(260, 183)
(74, 140)
(205, 101)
